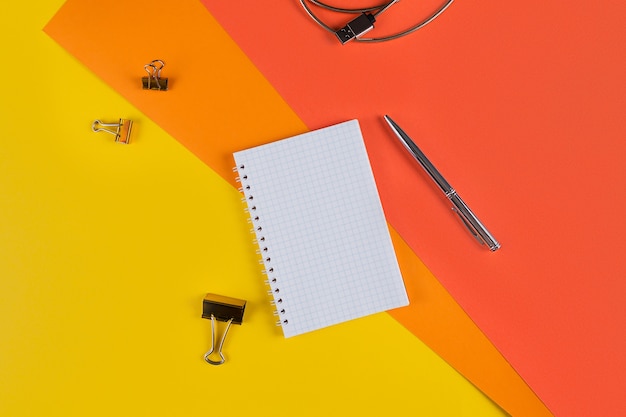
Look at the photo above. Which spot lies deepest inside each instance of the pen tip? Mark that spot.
(389, 121)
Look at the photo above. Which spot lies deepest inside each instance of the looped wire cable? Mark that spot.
(376, 11)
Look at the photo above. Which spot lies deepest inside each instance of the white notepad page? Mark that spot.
(321, 229)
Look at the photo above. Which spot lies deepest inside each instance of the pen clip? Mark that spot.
(469, 227)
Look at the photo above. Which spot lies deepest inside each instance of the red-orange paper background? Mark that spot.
(521, 106)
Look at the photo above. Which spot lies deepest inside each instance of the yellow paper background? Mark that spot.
(107, 250)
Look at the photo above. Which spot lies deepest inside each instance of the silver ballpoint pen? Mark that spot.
(478, 230)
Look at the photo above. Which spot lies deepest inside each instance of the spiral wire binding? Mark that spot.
(263, 251)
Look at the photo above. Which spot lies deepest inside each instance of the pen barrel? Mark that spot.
(471, 221)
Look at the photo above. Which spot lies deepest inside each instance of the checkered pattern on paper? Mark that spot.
(323, 226)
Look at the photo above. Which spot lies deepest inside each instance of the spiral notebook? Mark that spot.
(320, 228)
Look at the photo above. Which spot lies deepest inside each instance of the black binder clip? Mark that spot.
(121, 132)
(154, 81)
(218, 307)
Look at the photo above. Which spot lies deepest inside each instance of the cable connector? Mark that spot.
(356, 27)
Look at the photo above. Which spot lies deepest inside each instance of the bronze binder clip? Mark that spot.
(154, 81)
(218, 307)
(121, 132)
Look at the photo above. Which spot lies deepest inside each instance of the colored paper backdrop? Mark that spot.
(537, 305)
(106, 251)
(435, 317)
(101, 64)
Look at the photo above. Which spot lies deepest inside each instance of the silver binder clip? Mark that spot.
(154, 81)
(219, 307)
(121, 132)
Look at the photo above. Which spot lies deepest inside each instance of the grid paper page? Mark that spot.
(321, 228)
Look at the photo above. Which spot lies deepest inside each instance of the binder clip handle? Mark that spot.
(154, 81)
(121, 131)
(218, 307)
(221, 344)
